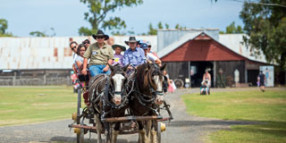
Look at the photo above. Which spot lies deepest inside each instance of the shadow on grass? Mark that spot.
(264, 132)
(268, 130)
(276, 128)
(184, 123)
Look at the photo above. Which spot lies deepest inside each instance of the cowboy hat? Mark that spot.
(132, 39)
(100, 34)
(116, 45)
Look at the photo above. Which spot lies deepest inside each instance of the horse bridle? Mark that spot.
(112, 93)
(160, 93)
(144, 101)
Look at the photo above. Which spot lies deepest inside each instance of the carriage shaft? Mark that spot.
(131, 118)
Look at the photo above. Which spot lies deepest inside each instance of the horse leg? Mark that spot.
(98, 128)
(147, 137)
(144, 132)
(141, 132)
(115, 133)
(107, 128)
(154, 137)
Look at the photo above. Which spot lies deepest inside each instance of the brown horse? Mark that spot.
(108, 99)
(147, 97)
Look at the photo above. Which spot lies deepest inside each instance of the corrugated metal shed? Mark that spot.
(167, 37)
(46, 52)
(236, 44)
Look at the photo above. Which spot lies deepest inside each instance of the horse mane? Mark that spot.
(96, 82)
(117, 69)
(144, 77)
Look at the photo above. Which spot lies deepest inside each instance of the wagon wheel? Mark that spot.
(80, 135)
(179, 83)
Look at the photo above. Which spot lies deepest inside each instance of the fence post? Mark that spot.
(45, 79)
(67, 80)
(14, 79)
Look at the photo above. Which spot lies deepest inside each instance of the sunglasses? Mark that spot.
(73, 47)
(81, 50)
(99, 37)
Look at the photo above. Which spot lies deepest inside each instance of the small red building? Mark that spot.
(193, 53)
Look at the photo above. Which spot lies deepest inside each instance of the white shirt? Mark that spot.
(80, 59)
(74, 57)
(151, 57)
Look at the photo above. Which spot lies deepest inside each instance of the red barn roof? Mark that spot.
(201, 48)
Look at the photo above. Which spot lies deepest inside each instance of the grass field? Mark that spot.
(267, 110)
(20, 105)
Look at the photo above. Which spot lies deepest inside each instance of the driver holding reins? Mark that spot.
(100, 55)
(133, 56)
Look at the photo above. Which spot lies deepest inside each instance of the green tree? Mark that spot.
(44, 33)
(38, 34)
(160, 25)
(265, 24)
(167, 26)
(3, 28)
(97, 14)
(232, 29)
(152, 31)
(179, 27)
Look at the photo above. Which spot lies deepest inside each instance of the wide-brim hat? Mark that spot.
(100, 34)
(123, 48)
(132, 39)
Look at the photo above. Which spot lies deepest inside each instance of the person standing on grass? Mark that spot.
(207, 77)
(262, 79)
(207, 81)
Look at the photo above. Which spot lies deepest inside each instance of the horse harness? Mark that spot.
(145, 99)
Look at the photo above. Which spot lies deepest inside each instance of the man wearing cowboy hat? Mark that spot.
(118, 58)
(100, 55)
(133, 56)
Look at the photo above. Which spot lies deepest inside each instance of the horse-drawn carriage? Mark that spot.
(121, 104)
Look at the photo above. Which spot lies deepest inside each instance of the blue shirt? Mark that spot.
(135, 58)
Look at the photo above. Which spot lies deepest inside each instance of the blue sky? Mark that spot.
(66, 16)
